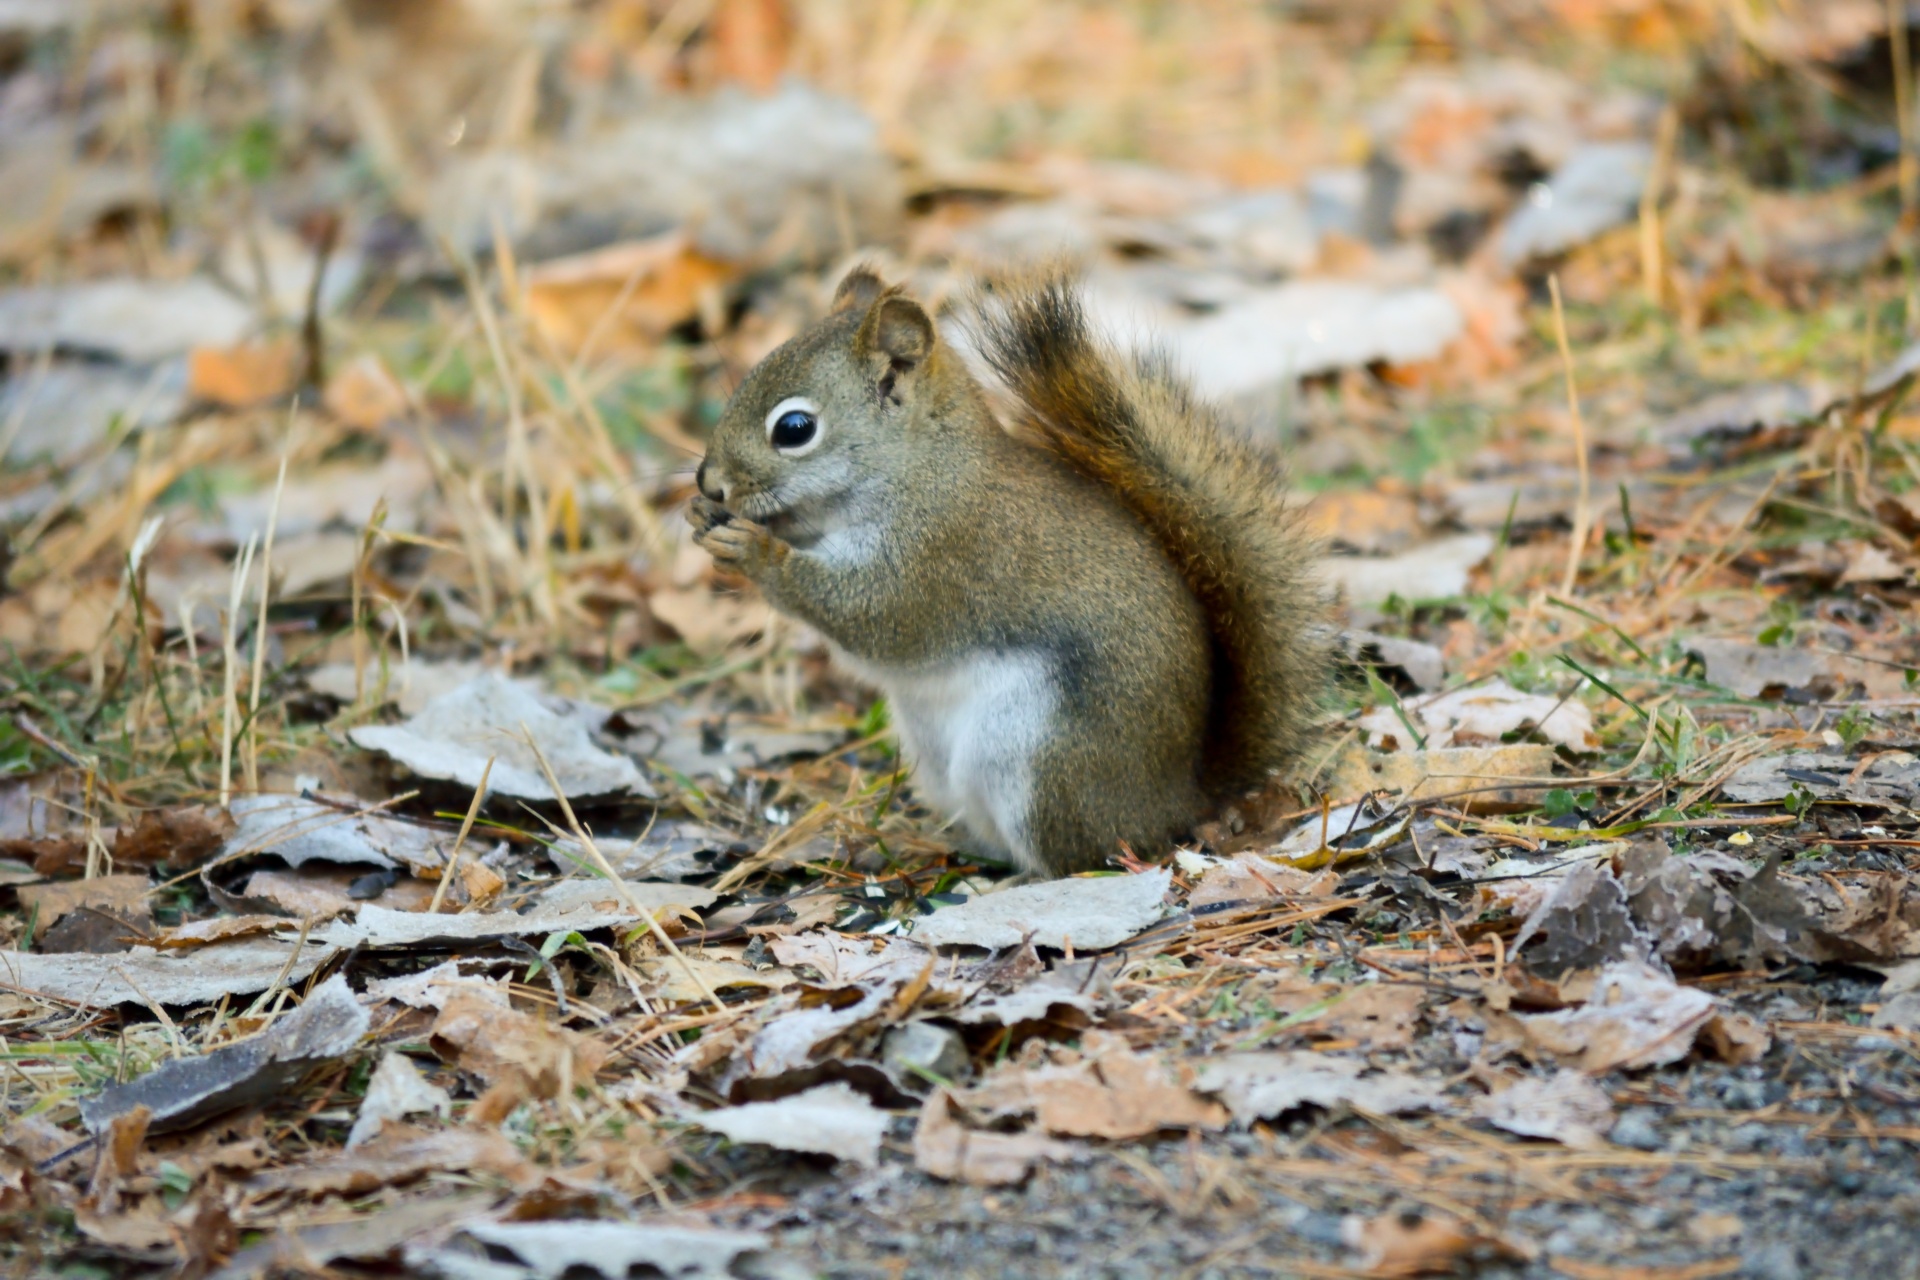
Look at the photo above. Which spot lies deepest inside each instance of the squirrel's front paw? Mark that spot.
(706, 515)
(741, 546)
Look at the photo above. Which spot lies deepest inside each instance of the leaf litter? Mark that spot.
(1589, 929)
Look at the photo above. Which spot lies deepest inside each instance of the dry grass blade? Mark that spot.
(459, 842)
(613, 877)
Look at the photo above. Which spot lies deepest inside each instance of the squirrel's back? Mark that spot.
(1214, 501)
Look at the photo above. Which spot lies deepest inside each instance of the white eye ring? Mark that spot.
(787, 406)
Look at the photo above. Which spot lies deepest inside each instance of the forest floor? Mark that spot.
(415, 859)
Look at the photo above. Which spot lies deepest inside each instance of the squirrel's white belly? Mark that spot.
(971, 729)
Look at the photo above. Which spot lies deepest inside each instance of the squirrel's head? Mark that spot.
(814, 423)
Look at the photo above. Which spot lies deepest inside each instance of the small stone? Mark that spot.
(1637, 1128)
(1779, 1261)
(923, 1049)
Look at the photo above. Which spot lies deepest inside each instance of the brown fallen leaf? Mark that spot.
(55, 618)
(1775, 671)
(179, 837)
(1250, 877)
(1635, 1017)
(1373, 1015)
(204, 1234)
(710, 621)
(519, 1056)
(400, 1154)
(361, 393)
(750, 40)
(311, 891)
(1415, 1242)
(92, 930)
(1111, 1093)
(1567, 1107)
(141, 1228)
(51, 855)
(126, 894)
(1368, 520)
(1737, 1037)
(249, 374)
(482, 884)
(395, 1091)
(200, 933)
(623, 298)
(1471, 774)
(944, 1148)
(1480, 715)
(117, 1159)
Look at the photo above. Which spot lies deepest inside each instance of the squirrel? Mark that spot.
(1094, 625)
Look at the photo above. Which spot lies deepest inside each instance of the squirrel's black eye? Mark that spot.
(793, 429)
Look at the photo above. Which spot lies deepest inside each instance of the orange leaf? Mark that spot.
(624, 297)
(364, 395)
(236, 377)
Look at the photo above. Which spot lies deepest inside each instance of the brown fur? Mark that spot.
(1215, 501)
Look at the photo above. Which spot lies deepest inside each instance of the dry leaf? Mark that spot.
(126, 894)
(398, 1156)
(831, 1120)
(132, 320)
(488, 718)
(1086, 913)
(1480, 715)
(432, 988)
(1472, 776)
(710, 621)
(202, 933)
(1252, 877)
(395, 1091)
(1566, 1106)
(1263, 1085)
(751, 39)
(623, 298)
(1437, 570)
(238, 377)
(1112, 1093)
(609, 1250)
(184, 1091)
(945, 1149)
(170, 978)
(1368, 520)
(1636, 1017)
(1419, 1243)
(1304, 327)
(299, 830)
(363, 394)
(520, 1056)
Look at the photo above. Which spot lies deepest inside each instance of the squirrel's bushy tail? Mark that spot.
(1214, 500)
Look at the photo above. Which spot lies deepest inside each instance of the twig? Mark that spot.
(312, 335)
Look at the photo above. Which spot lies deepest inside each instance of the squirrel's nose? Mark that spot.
(709, 487)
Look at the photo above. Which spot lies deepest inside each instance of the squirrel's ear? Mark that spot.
(899, 330)
(860, 289)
